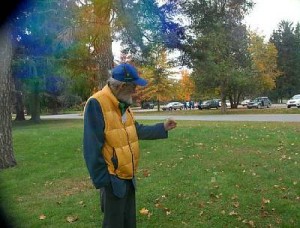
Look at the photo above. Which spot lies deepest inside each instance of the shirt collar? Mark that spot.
(123, 107)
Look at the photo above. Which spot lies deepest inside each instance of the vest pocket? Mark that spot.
(114, 159)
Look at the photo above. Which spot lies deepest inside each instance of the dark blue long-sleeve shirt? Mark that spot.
(93, 140)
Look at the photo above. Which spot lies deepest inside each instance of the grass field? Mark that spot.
(206, 174)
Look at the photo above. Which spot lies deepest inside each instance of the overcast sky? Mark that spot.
(267, 14)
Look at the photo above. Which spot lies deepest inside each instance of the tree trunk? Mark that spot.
(19, 106)
(18, 97)
(7, 158)
(158, 105)
(223, 98)
(35, 106)
(34, 95)
(103, 42)
(54, 104)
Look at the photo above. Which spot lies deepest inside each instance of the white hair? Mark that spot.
(124, 94)
(113, 83)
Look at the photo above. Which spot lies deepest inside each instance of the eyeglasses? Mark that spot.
(130, 85)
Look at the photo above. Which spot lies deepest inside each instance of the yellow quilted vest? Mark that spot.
(121, 148)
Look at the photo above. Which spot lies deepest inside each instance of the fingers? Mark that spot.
(170, 124)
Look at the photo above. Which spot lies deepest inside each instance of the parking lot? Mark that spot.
(139, 109)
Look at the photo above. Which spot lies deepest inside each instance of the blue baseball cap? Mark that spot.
(127, 73)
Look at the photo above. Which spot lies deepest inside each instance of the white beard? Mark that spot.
(125, 97)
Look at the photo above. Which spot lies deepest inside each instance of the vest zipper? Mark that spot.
(132, 158)
(114, 159)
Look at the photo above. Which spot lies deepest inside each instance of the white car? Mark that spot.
(245, 102)
(294, 101)
(173, 106)
(228, 104)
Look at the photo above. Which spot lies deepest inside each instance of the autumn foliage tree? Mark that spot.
(186, 86)
(139, 25)
(88, 38)
(264, 59)
(160, 87)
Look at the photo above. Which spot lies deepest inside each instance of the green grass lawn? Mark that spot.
(207, 174)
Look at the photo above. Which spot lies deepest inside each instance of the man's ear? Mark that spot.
(122, 85)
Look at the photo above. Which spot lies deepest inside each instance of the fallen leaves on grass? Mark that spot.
(81, 203)
(199, 144)
(250, 222)
(58, 203)
(233, 213)
(167, 210)
(42, 217)
(265, 201)
(236, 204)
(215, 196)
(234, 197)
(158, 204)
(195, 156)
(71, 219)
(146, 173)
(263, 210)
(144, 211)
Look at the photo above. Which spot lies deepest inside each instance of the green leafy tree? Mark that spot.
(218, 46)
(142, 25)
(36, 28)
(287, 41)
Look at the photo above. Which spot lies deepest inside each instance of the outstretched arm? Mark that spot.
(157, 131)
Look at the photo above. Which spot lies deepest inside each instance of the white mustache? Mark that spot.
(125, 97)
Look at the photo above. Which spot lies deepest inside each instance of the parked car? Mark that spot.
(147, 105)
(208, 104)
(259, 102)
(173, 106)
(294, 101)
(228, 104)
(220, 102)
(245, 102)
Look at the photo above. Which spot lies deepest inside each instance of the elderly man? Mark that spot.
(111, 147)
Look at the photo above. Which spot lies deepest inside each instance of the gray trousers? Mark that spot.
(118, 212)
